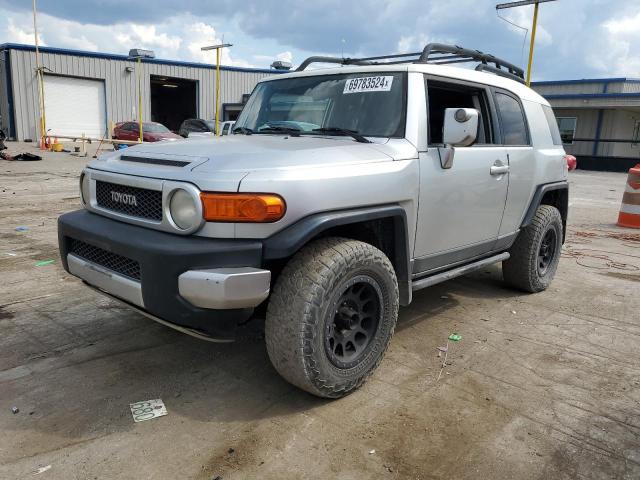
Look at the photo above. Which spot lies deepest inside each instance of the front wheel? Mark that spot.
(331, 316)
(536, 252)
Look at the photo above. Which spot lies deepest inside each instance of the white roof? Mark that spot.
(444, 71)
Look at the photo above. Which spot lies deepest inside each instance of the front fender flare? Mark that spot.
(288, 241)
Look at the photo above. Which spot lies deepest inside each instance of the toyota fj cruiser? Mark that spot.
(341, 192)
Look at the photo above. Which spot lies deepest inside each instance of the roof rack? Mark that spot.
(434, 53)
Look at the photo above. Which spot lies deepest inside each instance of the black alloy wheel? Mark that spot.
(352, 322)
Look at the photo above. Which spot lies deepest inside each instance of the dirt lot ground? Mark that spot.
(542, 386)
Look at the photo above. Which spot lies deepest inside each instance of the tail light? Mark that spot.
(572, 162)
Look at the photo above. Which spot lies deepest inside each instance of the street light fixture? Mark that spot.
(138, 54)
(217, 48)
(522, 3)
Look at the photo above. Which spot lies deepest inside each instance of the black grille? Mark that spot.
(111, 261)
(148, 203)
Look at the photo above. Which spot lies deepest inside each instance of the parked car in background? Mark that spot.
(197, 127)
(151, 132)
(226, 127)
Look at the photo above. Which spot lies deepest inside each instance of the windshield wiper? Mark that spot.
(244, 130)
(293, 131)
(342, 131)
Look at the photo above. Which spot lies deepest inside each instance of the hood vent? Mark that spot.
(154, 161)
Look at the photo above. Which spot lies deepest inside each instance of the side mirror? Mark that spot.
(460, 126)
(460, 130)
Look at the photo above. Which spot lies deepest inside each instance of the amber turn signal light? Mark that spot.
(242, 207)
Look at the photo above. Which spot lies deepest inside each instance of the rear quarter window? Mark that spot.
(553, 125)
(512, 122)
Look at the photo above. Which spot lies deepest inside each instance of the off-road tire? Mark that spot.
(298, 313)
(522, 270)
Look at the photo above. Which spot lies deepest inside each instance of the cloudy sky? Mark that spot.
(576, 38)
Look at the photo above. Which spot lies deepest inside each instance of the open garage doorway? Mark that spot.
(173, 100)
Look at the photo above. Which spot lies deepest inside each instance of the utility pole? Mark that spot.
(138, 54)
(217, 48)
(42, 117)
(522, 3)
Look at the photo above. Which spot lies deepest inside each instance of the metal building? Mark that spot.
(85, 91)
(599, 120)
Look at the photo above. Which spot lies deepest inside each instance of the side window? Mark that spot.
(567, 127)
(225, 129)
(194, 126)
(514, 127)
(553, 125)
(443, 95)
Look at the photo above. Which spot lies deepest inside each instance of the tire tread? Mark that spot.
(298, 295)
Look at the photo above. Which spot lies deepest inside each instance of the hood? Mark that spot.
(232, 157)
(258, 152)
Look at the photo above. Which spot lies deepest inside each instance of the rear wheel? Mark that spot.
(536, 252)
(331, 316)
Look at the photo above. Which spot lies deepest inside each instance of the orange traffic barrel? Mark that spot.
(630, 208)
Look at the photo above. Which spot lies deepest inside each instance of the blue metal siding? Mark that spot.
(111, 56)
(590, 95)
(586, 80)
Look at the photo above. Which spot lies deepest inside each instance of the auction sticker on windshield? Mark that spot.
(368, 84)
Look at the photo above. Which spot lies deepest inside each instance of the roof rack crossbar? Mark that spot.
(471, 55)
(434, 53)
(503, 73)
(396, 55)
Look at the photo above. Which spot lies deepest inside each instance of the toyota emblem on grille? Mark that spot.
(125, 198)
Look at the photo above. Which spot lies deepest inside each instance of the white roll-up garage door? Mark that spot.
(74, 106)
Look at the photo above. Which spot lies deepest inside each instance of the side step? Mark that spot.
(456, 272)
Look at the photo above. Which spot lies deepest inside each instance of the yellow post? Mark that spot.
(43, 123)
(138, 70)
(533, 39)
(217, 90)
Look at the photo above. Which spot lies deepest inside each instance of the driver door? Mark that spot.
(460, 209)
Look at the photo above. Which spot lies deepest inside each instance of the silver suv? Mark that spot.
(341, 192)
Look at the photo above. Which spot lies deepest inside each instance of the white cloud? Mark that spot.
(16, 34)
(412, 43)
(575, 39)
(615, 46)
(178, 38)
(627, 25)
(285, 57)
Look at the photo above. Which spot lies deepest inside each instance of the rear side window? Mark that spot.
(553, 125)
(514, 127)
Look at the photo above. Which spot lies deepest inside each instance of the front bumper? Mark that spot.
(208, 285)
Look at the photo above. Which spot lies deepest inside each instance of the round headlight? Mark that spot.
(84, 188)
(184, 210)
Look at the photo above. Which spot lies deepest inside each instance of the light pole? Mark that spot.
(522, 3)
(138, 54)
(217, 48)
(43, 124)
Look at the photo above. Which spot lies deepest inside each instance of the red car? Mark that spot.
(151, 132)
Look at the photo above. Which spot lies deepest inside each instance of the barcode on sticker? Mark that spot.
(368, 84)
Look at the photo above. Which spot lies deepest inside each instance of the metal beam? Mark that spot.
(521, 3)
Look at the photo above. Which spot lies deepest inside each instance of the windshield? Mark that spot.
(371, 104)
(154, 128)
(211, 124)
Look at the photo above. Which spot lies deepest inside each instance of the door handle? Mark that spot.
(499, 168)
